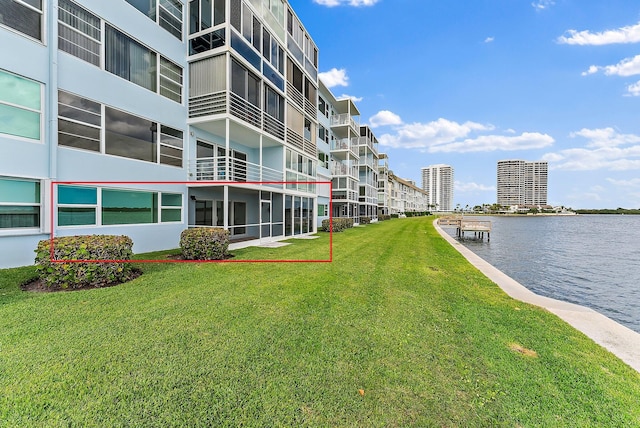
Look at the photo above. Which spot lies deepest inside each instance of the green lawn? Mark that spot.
(399, 314)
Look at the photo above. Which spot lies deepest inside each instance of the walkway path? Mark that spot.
(616, 338)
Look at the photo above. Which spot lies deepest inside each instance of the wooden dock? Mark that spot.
(462, 225)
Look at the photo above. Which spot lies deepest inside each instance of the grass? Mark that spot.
(399, 314)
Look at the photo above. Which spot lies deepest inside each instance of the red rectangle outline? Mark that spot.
(204, 182)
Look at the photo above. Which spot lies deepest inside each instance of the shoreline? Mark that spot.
(614, 337)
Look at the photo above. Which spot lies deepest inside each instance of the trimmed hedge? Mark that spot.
(394, 215)
(365, 220)
(339, 224)
(73, 275)
(384, 217)
(204, 243)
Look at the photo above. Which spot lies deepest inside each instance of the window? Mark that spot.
(138, 64)
(20, 106)
(323, 158)
(126, 135)
(272, 51)
(170, 207)
(245, 84)
(130, 136)
(19, 203)
(79, 122)
(167, 13)
(129, 207)
(323, 107)
(170, 80)
(25, 16)
(129, 59)
(77, 206)
(274, 104)
(79, 32)
(203, 14)
(171, 146)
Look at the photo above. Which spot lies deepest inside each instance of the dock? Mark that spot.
(462, 225)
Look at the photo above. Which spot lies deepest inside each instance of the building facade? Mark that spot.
(522, 183)
(437, 181)
(151, 117)
(407, 197)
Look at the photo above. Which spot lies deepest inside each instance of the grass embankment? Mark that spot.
(399, 314)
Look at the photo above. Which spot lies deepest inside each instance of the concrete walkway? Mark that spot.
(616, 338)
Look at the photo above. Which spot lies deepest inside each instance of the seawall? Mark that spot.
(616, 338)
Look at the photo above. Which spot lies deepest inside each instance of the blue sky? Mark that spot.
(471, 82)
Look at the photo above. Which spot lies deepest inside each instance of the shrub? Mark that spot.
(61, 275)
(384, 217)
(339, 224)
(394, 216)
(365, 220)
(204, 243)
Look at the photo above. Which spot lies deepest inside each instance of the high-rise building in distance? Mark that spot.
(437, 180)
(521, 182)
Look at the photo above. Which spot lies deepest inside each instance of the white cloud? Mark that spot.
(473, 187)
(634, 182)
(445, 136)
(489, 39)
(626, 67)
(334, 77)
(351, 97)
(634, 89)
(384, 118)
(542, 4)
(605, 137)
(603, 151)
(356, 3)
(491, 143)
(629, 34)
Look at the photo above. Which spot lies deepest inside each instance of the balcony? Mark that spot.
(225, 168)
(226, 102)
(372, 146)
(342, 121)
(345, 145)
(338, 168)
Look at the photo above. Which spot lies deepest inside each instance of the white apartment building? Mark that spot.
(368, 173)
(384, 185)
(437, 181)
(154, 116)
(522, 183)
(406, 197)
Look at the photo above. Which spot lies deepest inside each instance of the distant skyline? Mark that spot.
(469, 83)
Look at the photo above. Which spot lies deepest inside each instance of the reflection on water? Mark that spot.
(591, 260)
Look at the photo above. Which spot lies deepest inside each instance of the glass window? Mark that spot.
(79, 122)
(170, 17)
(77, 205)
(79, 32)
(129, 59)
(274, 104)
(171, 207)
(24, 16)
(20, 106)
(167, 13)
(245, 84)
(129, 207)
(130, 136)
(171, 141)
(170, 80)
(19, 203)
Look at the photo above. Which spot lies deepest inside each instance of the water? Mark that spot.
(591, 260)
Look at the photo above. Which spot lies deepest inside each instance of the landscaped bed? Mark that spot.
(398, 331)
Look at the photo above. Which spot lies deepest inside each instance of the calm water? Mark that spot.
(591, 260)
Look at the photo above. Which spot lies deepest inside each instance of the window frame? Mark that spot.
(39, 204)
(39, 112)
(42, 21)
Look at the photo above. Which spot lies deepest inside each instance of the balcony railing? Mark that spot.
(223, 102)
(345, 119)
(342, 169)
(364, 141)
(225, 168)
(345, 144)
